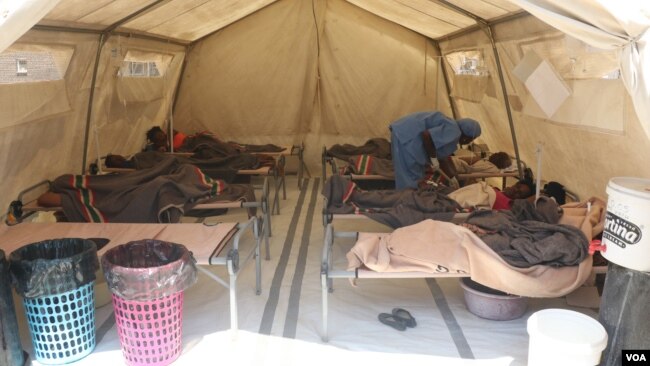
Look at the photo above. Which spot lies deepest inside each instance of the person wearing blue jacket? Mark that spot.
(427, 138)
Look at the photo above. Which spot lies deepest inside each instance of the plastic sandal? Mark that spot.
(405, 316)
(392, 321)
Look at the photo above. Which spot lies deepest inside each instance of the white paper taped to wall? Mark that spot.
(543, 83)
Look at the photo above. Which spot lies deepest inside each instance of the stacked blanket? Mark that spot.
(160, 194)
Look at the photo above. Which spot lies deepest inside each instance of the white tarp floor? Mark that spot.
(282, 326)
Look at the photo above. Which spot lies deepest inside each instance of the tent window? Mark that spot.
(467, 63)
(21, 67)
(147, 69)
(573, 59)
(32, 63)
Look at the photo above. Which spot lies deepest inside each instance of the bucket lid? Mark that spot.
(637, 187)
(568, 330)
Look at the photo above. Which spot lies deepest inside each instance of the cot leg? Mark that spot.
(276, 202)
(266, 232)
(268, 223)
(324, 293)
(233, 296)
(323, 164)
(258, 259)
(300, 166)
(265, 209)
(284, 188)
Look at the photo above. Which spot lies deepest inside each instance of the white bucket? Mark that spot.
(627, 223)
(564, 337)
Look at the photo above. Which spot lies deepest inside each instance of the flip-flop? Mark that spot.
(392, 321)
(405, 316)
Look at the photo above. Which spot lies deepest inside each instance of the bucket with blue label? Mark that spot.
(627, 223)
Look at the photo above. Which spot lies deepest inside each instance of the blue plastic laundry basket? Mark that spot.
(62, 326)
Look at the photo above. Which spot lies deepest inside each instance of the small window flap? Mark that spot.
(145, 64)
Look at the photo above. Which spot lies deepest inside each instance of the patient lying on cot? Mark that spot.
(376, 147)
(372, 165)
(161, 194)
(217, 167)
(203, 144)
(482, 195)
(400, 208)
(473, 164)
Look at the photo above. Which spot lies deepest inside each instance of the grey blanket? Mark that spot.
(389, 207)
(370, 165)
(206, 146)
(377, 147)
(524, 238)
(260, 148)
(160, 194)
(224, 167)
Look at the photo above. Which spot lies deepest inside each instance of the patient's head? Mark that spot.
(117, 161)
(520, 190)
(500, 159)
(555, 190)
(158, 138)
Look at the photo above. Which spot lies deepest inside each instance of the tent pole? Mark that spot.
(172, 105)
(487, 28)
(102, 41)
(490, 34)
(180, 77)
(452, 102)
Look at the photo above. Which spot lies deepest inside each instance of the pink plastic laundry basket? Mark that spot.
(150, 331)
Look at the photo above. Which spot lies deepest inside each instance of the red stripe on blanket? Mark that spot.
(348, 191)
(216, 186)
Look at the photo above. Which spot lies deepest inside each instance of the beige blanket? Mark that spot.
(478, 194)
(435, 246)
(588, 216)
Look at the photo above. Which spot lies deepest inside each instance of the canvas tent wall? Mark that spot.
(321, 71)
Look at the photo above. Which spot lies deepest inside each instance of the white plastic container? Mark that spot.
(564, 337)
(627, 223)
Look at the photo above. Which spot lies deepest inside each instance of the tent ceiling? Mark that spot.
(190, 20)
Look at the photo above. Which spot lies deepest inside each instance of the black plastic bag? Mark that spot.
(53, 266)
(148, 269)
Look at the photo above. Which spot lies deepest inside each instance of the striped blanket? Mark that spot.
(160, 194)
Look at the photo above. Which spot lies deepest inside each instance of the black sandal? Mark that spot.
(392, 321)
(405, 316)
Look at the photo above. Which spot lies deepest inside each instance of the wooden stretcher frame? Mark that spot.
(223, 234)
(19, 211)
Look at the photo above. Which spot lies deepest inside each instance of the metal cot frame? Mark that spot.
(19, 211)
(232, 259)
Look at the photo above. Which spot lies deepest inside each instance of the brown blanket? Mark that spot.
(389, 207)
(434, 246)
(591, 222)
(377, 147)
(160, 194)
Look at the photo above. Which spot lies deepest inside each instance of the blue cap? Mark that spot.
(469, 127)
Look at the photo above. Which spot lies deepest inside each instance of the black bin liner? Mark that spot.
(53, 267)
(11, 353)
(148, 269)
